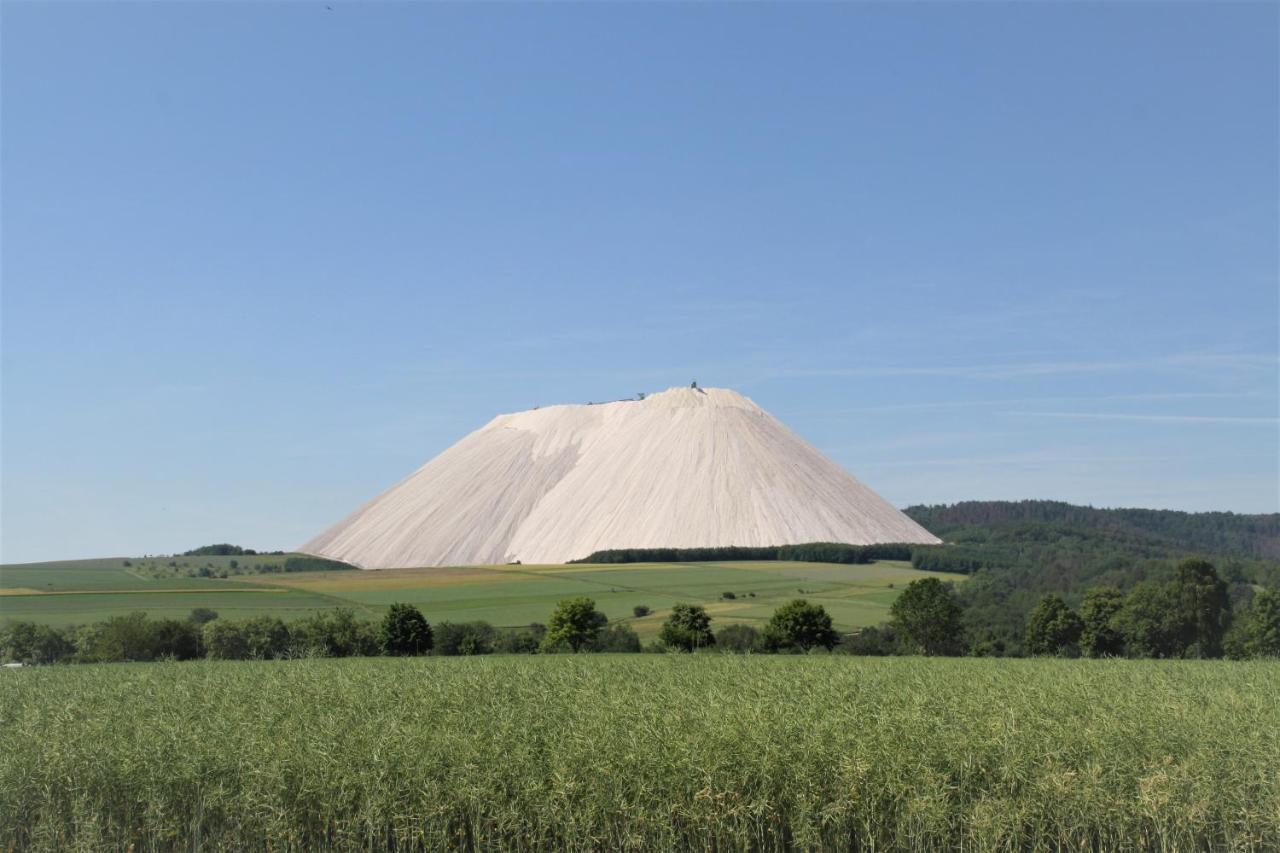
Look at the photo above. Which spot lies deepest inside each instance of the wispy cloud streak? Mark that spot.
(1172, 419)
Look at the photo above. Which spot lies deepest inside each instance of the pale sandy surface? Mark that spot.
(681, 469)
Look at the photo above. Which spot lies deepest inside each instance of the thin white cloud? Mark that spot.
(1019, 370)
(1172, 419)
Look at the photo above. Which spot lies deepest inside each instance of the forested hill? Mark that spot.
(1224, 533)
(1017, 551)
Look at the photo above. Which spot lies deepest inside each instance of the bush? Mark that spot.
(617, 638)
(876, 641)
(736, 638)
(465, 638)
(641, 610)
(521, 641)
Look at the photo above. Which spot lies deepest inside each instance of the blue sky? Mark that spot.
(262, 260)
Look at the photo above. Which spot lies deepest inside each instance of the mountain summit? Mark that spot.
(685, 468)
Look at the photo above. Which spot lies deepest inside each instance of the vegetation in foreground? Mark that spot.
(642, 753)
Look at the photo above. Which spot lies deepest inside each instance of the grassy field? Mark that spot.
(92, 590)
(646, 752)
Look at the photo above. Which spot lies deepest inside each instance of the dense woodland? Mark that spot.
(1019, 552)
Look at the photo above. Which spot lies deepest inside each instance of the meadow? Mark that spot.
(92, 590)
(642, 753)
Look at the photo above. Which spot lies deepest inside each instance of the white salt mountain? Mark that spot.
(686, 468)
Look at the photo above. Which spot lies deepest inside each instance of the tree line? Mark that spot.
(576, 625)
(1188, 616)
(811, 552)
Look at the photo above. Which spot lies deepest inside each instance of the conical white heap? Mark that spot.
(686, 468)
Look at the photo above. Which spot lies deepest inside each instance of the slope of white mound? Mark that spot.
(681, 469)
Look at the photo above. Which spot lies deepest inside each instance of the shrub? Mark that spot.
(640, 610)
(875, 641)
(521, 641)
(465, 638)
(617, 638)
(738, 638)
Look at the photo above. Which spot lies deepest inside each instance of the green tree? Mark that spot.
(1149, 621)
(224, 640)
(575, 625)
(405, 631)
(128, 637)
(265, 637)
(29, 643)
(1053, 628)
(687, 628)
(1098, 637)
(1204, 610)
(926, 618)
(799, 625)
(337, 633)
(176, 640)
(1256, 633)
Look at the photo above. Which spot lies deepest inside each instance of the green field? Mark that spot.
(91, 590)
(647, 752)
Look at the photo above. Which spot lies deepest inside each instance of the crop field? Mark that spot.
(91, 590)
(77, 591)
(646, 752)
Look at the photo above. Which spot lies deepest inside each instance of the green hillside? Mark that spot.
(1017, 551)
(73, 592)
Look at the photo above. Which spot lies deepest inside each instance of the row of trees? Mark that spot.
(811, 552)
(575, 626)
(1190, 616)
